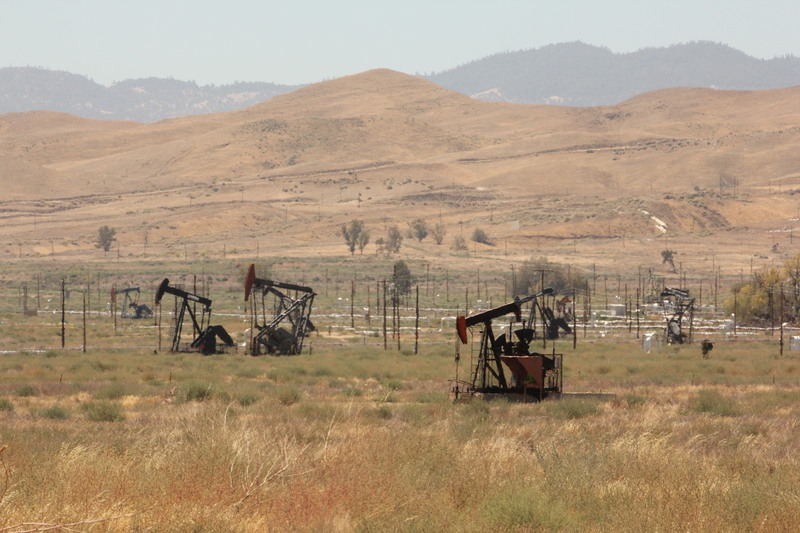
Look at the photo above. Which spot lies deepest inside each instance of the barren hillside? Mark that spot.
(386, 147)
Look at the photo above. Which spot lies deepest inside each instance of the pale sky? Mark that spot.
(305, 41)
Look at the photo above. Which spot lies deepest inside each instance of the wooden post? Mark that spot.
(416, 326)
(638, 324)
(575, 321)
(63, 313)
(159, 327)
(781, 304)
(385, 339)
(352, 304)
(84, 322)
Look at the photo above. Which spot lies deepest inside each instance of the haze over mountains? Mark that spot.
(572, 74)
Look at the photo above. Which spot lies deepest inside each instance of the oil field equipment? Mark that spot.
(680, 304)
(205, 336)
(284, 333)
(533, 375)
(131, 308)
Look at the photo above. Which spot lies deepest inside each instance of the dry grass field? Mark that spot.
(349, 436)
(358, 439)
(352, 437)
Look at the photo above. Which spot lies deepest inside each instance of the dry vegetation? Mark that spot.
(357, 439)
(352, 437)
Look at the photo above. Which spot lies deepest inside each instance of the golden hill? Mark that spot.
(386, 147)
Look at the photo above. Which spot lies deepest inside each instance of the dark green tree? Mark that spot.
(438, 232)
(402, 277)
(105, 238)
(560, 278)
(393, 241)
(480, 236)
(419, 228)
(352, 233)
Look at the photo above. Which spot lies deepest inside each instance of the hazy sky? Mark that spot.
(304, 41)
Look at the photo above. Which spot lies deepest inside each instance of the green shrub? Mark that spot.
(247, 398)
(288, 395)
(393, 385)
(104, 411)
(353, 392)
(6, 405)
(634, 400)
(571, 408)
(26, 390)
(55, 412)
(709, 401)
(115, 391)
(196, 391)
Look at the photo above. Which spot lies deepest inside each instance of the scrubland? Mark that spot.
(355, 438)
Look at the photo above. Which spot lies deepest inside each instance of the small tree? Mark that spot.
(402, 277)
(393, 240)
(352, 233)
(459, 244)
(419, 228)
(105, 238)
(363, 241)
(556, 276)
(668, 257)
(438, 232)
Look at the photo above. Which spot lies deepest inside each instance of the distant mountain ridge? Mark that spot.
(571, 74)
(578, 74)
(141, 100)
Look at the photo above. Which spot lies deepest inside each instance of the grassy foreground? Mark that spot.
(358, 439)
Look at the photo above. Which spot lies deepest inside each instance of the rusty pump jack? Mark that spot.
(533, 375)
(296, 311)
(205, 340)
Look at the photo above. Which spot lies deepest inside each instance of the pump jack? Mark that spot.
(294, 310)
(681, 304)
(130, 305)
(534, 375)
(205, 340)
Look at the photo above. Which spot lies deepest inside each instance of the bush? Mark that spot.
(571, 408)
(709, 401)
(55, 412)
(288, 396)
(197, 391)
(115, 391)
(103, 411)
(26, 390)
(6, 405)
(247, 398)
(480, 236)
